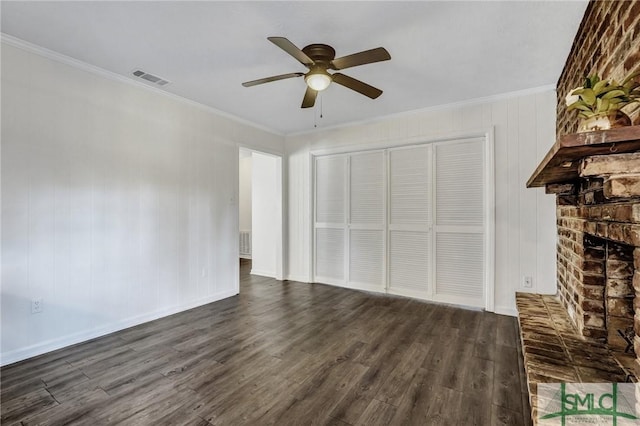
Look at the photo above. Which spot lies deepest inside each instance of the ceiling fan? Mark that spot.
(319, 58)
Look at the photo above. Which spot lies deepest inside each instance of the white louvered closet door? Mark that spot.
(459, 222)
(330, 219)
(366, 221)
(410, 194)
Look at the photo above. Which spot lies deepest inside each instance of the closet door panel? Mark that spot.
(330, 255)
(409, 254)
(460, 265)
(330, 189)
(459, 222)
(460, 183)
(410, 187)
(366, 257)
(366, 220)
(330, 219)
(367, 187)
(408, 261)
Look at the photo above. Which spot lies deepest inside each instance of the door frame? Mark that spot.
(280, 193)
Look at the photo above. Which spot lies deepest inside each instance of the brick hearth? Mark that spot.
(554, 351)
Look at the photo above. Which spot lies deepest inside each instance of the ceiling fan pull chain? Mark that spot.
(320, 105)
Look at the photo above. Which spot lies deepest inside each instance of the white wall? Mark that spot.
(244, 197)
(119, 204)
(524, 126)
(267, 212)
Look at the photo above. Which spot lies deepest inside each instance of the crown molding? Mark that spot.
(459, 104)
(78, 64)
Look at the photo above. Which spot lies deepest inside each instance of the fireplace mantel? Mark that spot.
(561, 164)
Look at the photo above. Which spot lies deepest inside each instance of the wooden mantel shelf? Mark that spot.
(563, 159)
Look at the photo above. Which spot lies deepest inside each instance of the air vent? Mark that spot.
(150, 78)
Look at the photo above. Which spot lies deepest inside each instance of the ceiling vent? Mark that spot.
(150, 78)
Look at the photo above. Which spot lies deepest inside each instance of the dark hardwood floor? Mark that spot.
(283, 354)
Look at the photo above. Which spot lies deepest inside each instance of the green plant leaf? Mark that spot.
(588, 96)
(614, 94)
(578, 105)
(631, 77)
(600, 87)
(607, 89)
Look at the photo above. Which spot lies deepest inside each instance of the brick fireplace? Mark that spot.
(596, 179)
(590, 330)
(598, 220)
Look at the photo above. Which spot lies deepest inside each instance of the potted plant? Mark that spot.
(599, 102)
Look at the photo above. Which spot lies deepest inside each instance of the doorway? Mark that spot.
(260, 213)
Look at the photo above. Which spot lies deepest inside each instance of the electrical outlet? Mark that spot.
(36, 306)
(527, 282)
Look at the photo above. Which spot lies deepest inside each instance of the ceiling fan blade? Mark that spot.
(309, 99)
(270, 79)
(367, 57)
(356, 85)
(292, 50)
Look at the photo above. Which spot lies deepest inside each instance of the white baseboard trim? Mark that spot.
(263, 273)
(245, 256)
(21, 354)
(364, 287)
(352, 286)
(504, 310)
(298, 278)
(406, 292)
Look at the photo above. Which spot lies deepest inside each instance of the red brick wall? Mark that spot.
(597, 246)
(608, 44)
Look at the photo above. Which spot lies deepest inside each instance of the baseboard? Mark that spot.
(298, 278)
(21, 354)
(415, 294)
(364, 287)
(504, 310)
(263, 273)
(353, 286)
(245, 256)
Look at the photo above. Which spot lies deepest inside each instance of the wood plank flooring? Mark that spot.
(283, 354)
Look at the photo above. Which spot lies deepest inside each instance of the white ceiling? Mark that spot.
(442, 52)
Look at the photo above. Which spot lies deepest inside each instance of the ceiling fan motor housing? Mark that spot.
(320, 53)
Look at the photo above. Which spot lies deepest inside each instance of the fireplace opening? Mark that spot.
(608, 308)
(598, 251)
(619, 295)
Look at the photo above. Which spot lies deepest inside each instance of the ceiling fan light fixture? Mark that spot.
(318, 80)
